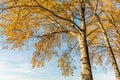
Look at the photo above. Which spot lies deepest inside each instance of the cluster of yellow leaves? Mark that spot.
(16, 32)
(45, 50)
(66, 65)
(36, 63)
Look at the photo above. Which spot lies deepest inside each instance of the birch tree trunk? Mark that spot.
(111, 56)
(84, 54)
(110, 51)
(85, 61)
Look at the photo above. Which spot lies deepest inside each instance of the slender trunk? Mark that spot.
(112, 57)
(110, 52)
(107, 42)
(84, 54)
(85, 61)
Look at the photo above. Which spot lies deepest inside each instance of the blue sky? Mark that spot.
(15, 65)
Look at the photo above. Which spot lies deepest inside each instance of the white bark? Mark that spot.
(111, 56)
(85, 62)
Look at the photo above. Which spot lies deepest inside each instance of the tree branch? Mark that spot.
(50, 34)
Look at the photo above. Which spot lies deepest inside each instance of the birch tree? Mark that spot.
(49, 24)
(102, 24)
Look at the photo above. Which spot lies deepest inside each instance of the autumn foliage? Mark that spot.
(91, 26)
